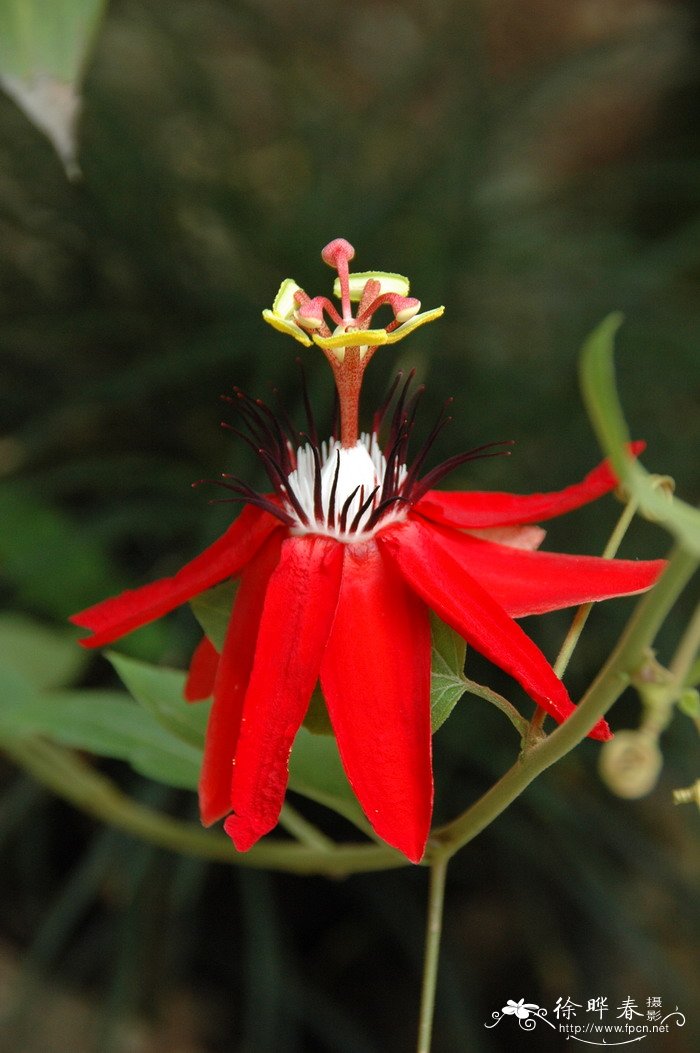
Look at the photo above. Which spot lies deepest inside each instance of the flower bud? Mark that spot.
(630, 764)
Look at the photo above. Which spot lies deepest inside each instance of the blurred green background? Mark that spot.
(532, 164)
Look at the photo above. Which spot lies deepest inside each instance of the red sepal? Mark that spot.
(119, 615)
(460, 601)
(526, 582)
(232, 682)
(476, 508)
(202, 672)
(301, 599)
(375, 677)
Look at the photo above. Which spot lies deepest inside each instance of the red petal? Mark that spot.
(525, 582)
(530, 537)
(130, 610)
(232, 683)
(475, 508)
(301, 599)
(375, 677)
(200, 677)
(461, 602)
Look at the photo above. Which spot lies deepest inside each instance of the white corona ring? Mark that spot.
(351, 486)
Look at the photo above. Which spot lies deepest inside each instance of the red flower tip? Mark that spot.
(243, 833)
(202, 672)
(601, 731)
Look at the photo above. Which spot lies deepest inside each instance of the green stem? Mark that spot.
(608, 685)
(661, 705)
(686, 651)
(433, 932)
(304, 831)
(481, 691)
(63, 772)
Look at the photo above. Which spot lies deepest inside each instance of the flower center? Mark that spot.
(348, 492)
(340, 489)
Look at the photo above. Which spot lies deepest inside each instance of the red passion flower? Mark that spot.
(338, 568)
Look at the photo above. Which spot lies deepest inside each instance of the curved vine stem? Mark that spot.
(581, 616)
(606, 688)
(66, 774)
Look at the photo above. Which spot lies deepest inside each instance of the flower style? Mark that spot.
(339, 566)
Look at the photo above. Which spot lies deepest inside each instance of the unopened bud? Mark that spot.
(630, 764)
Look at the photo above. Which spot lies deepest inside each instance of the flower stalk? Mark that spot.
(68, 776)
(433, 934)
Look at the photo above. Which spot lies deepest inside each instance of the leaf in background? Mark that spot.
(159, 691)
(603, 405)
(46, 657)
(317, 719)
(316, 772)
(106, 723)
(447, 683)
(43, 48)
(55, 566)
(212, 609)
(693, 677)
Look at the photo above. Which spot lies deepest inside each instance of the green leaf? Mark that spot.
(15, 690)
(447, 681)
(160, 692)
(315, 767)
(212, 609)
(46, 36)
(56, 567)
(689, 703)
(43, 50)
(47, 657)
(44, 553)
(603, 405)
(317, 720)
(693, 677)
(315, 770)
(106, 723)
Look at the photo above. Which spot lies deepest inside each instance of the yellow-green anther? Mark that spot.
(284, 303)
(354, 338)
(388, 282)
(413, 323)
(285, 326)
